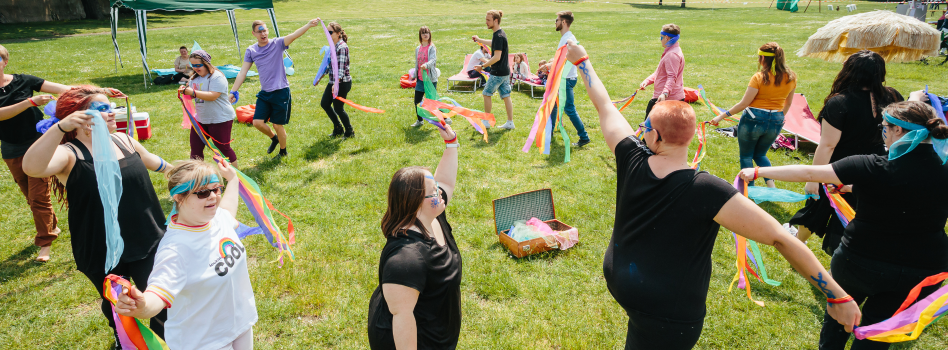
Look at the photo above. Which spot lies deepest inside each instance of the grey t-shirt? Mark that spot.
(219, 110)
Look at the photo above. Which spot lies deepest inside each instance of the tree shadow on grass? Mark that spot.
(670, 6)
(19, 263)
(133, 84)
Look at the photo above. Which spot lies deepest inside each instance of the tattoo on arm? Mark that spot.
(822, 284)
(585, 70)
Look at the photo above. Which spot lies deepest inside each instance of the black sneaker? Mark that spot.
(349, 134)
(274, 141)
(281, 155)
(581, 143)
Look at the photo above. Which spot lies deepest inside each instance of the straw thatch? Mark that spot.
(898, 38)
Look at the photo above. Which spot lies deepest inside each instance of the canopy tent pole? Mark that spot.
(140, 24)
(113, 23)
(233, 27)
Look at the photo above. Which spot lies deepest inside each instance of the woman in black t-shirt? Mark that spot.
(658, 262)
(64, 153)
(898, 235)
(849, 118)
(18, 117)
(417, 304)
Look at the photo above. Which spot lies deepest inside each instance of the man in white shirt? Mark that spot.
(564, 19)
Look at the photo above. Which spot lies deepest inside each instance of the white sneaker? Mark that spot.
(448, 120)
(417, 124)
(790, 229)
(509, 125)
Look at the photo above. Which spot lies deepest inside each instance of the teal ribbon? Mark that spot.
(909, 141)
(108, 176)
(186, 188)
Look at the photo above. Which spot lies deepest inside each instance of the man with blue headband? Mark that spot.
(668, 76)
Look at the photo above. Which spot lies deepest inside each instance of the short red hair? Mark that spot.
(74, 100)
(675, 121)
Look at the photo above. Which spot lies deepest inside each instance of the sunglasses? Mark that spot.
(199, 65)
(101, 107)
(202, 194)
(331, 32)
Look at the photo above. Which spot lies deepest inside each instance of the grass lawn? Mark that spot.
(335, 190)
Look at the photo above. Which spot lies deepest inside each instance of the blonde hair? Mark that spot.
(190, 170)
(4, 54)
(496, 14)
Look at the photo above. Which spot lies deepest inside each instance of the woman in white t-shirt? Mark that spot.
(215, 114)
(200, 272)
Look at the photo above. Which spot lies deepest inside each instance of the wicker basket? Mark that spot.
(523, 206)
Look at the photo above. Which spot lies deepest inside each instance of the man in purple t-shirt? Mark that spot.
(273, 100)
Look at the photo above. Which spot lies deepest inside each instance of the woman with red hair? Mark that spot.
(658, 263)
(63, 152)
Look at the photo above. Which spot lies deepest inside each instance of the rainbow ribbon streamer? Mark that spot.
(259, 206)
(843, 210)
(432, 109)
(555, 92)
(334, 62)
(132, 332)
(627, 101)
(749, 258)
(908, 322)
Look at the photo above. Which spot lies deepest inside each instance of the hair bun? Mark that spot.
(937, 128)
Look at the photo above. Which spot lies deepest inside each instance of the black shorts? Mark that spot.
(274, 106)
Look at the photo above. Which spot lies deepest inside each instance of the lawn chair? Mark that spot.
(800, 123)
(526, 82)
(462, 77)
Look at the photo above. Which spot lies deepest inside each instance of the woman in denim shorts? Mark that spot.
(765, 103)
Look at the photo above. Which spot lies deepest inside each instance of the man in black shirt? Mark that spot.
(18, 117)
(499, 73)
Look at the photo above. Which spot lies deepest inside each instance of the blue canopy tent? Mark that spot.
(141, 7)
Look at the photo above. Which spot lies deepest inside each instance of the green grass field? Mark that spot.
(335, 190)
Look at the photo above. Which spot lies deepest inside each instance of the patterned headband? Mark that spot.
(204, 55)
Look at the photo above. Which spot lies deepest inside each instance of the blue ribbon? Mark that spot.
(186, 188)
(909, 141)
(324, 65)
(108, 176)
(673, 38)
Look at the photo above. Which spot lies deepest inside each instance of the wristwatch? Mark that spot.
(453, 145)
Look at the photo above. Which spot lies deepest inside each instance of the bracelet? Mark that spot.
(32, 103)
(842, 300)
(581, 60)
(728, 113)
(161, 166)
(61, 128)
(756, 171)
(452, 140)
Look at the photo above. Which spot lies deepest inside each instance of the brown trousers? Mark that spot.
(36, 192)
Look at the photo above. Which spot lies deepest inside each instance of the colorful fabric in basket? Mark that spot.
(535, 228)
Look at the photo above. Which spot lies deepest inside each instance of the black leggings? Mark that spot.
(648, 332)
(418, 96)
(138, 272)
(334, 108)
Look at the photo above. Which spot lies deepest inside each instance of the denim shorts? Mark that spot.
(498, 83)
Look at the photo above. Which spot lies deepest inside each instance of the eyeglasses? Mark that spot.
(202, 194)
(199, 65)
(437, 191)
(101, 107)
(647, 125)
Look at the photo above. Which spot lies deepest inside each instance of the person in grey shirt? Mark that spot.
(215, 115)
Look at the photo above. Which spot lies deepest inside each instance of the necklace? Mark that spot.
(3, 79)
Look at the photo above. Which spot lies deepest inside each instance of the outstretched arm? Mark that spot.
(287, 40)
(794, 173)
(613, 124)
(54, 88)
(745, 218)
(229, 199)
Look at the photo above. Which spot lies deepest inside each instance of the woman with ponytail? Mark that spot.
(333, 107)
(765, 104)
(897, 238)
(64, 153)
(850, 117)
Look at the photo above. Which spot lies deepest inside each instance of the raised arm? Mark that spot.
(447, 172)
(613, 124)
(745, 218)
(794, 173)
(229, 200)
(482, 41)
(45, 157)
(749, 96)
(240, 80)
(287, 40)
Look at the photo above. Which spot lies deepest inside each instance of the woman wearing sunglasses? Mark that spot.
(200, 272)
(63, 152)
(417, 304)
(335, 109)
(658, 263)
(897, 238)
(215, 114)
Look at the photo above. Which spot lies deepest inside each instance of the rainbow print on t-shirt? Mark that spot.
(225, 244)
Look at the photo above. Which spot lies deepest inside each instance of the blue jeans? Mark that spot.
(497, 84)
(570, 110)
(758, 130)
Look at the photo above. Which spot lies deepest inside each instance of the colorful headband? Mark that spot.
(764, 53)
(204, 55)
(909, 141)
(187, 187)
(673, 38)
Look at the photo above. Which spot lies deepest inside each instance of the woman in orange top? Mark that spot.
(765, 103)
